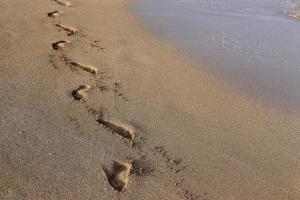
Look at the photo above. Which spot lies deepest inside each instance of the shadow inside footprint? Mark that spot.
(120, 128)
(63, 2)
(69, 29)
(118, 177)
(81, 92)
(88, 68)
(59, 44)
(54, 13)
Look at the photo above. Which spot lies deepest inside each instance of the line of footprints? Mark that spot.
(118, 176)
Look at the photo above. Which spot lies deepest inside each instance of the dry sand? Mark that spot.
(189, 135)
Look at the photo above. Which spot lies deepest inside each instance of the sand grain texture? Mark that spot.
(202, 139)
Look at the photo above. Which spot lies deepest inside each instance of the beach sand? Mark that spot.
(94, 107)
(295, 15)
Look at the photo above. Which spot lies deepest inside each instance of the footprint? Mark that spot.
(81, 92)
(54, 13)
(122, 129)
(59, 44)
(118, 177)
(88, 68)
(69, 29)
(63, 2)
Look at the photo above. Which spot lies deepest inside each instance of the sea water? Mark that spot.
(253, 45)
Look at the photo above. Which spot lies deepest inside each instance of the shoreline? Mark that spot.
(183, 133)
(252, 80)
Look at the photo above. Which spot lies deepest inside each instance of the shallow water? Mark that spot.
(252, 44)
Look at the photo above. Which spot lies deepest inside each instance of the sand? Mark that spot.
(295, 15)
(167, 130)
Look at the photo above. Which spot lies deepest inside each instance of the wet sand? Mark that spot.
(94, 107)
